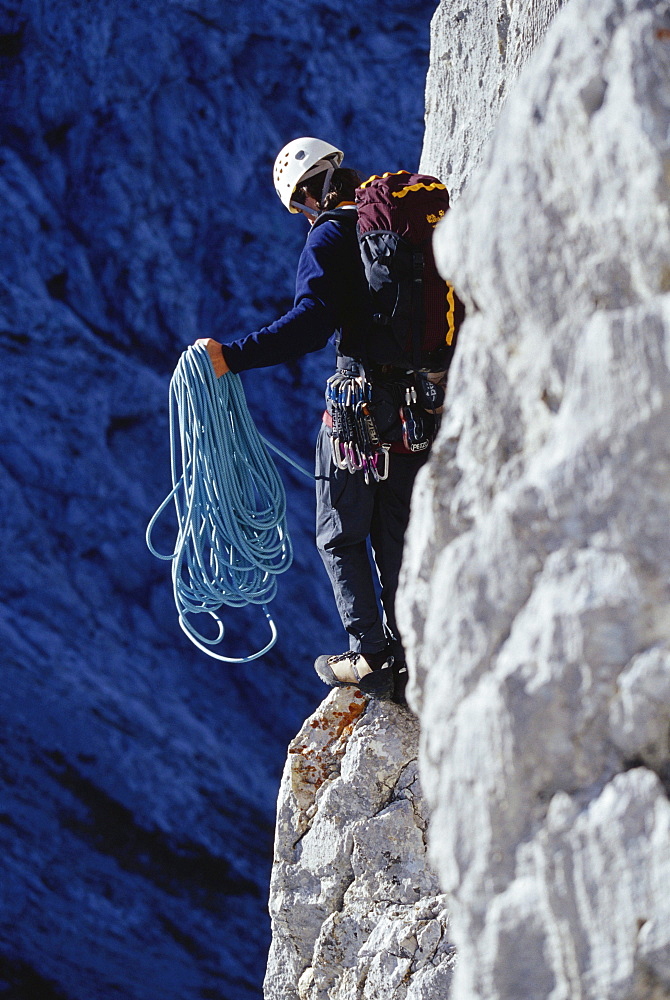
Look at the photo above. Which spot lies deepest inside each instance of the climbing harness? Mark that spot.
(355, 441)
(232, 540)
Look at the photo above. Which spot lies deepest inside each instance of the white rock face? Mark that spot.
(477, 51)
(356, 909)
(535, 586)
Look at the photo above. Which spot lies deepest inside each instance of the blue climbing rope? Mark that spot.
(232, 541)
(289, 460)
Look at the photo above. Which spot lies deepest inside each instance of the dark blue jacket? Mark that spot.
(331, 298)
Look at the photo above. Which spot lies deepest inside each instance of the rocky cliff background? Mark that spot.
(139, 778)
(535, 595)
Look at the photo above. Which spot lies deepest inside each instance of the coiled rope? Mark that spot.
(232, 540)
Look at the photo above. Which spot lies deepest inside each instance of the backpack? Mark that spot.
(417, 314)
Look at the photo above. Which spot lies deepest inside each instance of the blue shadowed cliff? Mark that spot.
(139, 777)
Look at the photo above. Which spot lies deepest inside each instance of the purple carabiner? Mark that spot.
(353, 464)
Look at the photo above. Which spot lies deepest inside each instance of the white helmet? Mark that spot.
(300, 160)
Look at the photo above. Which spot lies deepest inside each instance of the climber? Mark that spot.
(332, 298)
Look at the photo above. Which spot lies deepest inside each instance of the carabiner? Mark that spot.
(337, 453)
(353, 464)
(412, 430)
(365, 417)
(384, 451)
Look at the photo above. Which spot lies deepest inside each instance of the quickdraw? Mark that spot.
(355, 441)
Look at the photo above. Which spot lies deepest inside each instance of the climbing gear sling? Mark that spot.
(232, 540)
(355, 440)
(366, 417)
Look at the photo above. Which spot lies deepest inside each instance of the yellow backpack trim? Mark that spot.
(380, 177)
(451, 306)
(436, 186)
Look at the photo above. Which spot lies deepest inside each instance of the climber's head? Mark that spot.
(341, 188)
(301, 161)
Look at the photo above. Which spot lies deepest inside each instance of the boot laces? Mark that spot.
(352, 657)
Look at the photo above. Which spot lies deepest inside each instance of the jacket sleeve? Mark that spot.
(315, 315)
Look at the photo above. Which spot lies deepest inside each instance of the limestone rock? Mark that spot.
(356, 909)
(477, 51)
(535, 599)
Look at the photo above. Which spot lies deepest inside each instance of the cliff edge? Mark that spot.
(356, 909)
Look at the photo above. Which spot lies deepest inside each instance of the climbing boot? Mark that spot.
(371, 672)
(400, 678)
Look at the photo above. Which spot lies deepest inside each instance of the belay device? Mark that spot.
(232, 540)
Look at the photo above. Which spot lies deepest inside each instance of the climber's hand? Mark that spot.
(215, 355)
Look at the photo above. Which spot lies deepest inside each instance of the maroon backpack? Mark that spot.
(417, 314)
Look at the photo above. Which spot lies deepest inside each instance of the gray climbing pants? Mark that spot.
(349, 512)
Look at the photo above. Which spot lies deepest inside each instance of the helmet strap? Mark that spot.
(326, 183)
(312, 212)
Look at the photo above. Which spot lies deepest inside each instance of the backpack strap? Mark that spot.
(418, 313)
(350, 217)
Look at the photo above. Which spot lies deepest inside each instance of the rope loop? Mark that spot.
(232, 541)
